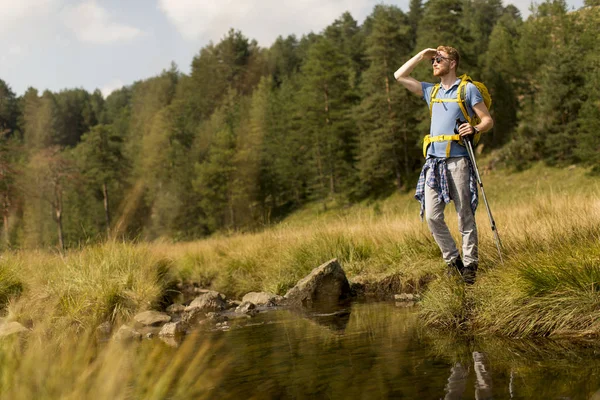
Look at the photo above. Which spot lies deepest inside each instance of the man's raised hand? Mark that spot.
(428, 53)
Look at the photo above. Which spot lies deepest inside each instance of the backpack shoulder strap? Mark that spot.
(462, 94)
(436, 89)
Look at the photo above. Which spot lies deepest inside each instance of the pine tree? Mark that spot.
(501, 76)
(10, 152)
(588, 140)
(386, 113)
(346, 35)
(288, 171)
(559, 99)
(480, 17)
(443, 24)
(283, 60)
(100, 159)
(50, 173)
(327, 100)
(415, 14)
(215, 171)
(250, 160)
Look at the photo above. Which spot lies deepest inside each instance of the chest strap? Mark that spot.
(460, 98)
(428, 139)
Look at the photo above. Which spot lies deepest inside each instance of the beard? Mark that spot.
(441, 70)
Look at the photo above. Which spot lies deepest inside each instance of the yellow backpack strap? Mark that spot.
(434, 93)
(461, 96)
(428, 139)
(462, 102)
(443, 138)
(426, 142)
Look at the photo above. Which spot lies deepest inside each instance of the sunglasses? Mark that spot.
(438, 59)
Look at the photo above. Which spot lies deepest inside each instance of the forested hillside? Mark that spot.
(254, 133)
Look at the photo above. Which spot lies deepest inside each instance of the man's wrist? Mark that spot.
(476, 130)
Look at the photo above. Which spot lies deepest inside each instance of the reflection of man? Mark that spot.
(457, 381)
(447, 173)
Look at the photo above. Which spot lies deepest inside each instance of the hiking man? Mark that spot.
(448, 173)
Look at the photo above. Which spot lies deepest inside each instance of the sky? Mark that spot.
(106, 44)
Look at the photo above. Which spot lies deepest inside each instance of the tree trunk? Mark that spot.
(106, 209)
(406, 165)
(387, 88)
(58, 214)
(5, 209)
(58, 217)
(397, 173)
(329, 149)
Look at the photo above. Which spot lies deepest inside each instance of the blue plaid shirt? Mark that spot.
(438, 181)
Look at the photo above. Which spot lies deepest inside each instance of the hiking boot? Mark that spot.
(468, 274)
(455, 267)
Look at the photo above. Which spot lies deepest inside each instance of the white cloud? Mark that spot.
(91, 23)
(263, 20)
(14, 10)
(111, 87)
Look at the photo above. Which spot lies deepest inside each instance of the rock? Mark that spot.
(175, 308)
(148, 330)
(192, 316)
(152, 318)
(172, 329)
(222, 326)
(209, 301)
(386, 286)
(245, 308)
(216, 317)
(324, 287)
(11, 328)
(262, 298)
(407, 297)
(126, 334)
(104, 330)
(233, 303)
(172, 341)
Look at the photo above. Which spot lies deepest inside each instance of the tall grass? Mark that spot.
(549, 283)
(82, 369)
(62, 299)
(549, 221)
(76, 292)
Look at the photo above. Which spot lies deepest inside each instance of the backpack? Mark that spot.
(461, 100)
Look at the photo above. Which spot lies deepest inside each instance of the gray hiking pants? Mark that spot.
(458, 184)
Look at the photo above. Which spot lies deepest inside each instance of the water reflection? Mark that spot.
(457, 382)
(377, 351)
(336, 321)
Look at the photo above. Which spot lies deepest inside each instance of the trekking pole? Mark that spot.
(469, 146)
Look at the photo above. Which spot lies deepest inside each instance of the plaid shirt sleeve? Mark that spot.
(438, 181)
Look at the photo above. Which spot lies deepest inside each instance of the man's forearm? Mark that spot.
(486, 124)
(405, 70)
(403, 73)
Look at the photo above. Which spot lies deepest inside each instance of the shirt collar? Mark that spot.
(456, 83)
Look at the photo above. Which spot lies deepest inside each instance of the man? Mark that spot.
(448, 173)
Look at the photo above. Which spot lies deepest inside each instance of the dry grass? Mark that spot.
(549, 221)
(39, 368)
(549, 283)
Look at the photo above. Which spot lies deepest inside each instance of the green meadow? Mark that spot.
(548, 220)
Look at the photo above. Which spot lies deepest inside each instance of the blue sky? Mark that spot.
(105, 44)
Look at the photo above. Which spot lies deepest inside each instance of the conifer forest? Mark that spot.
(252, 133)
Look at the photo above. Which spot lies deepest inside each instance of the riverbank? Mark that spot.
(548, 219)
